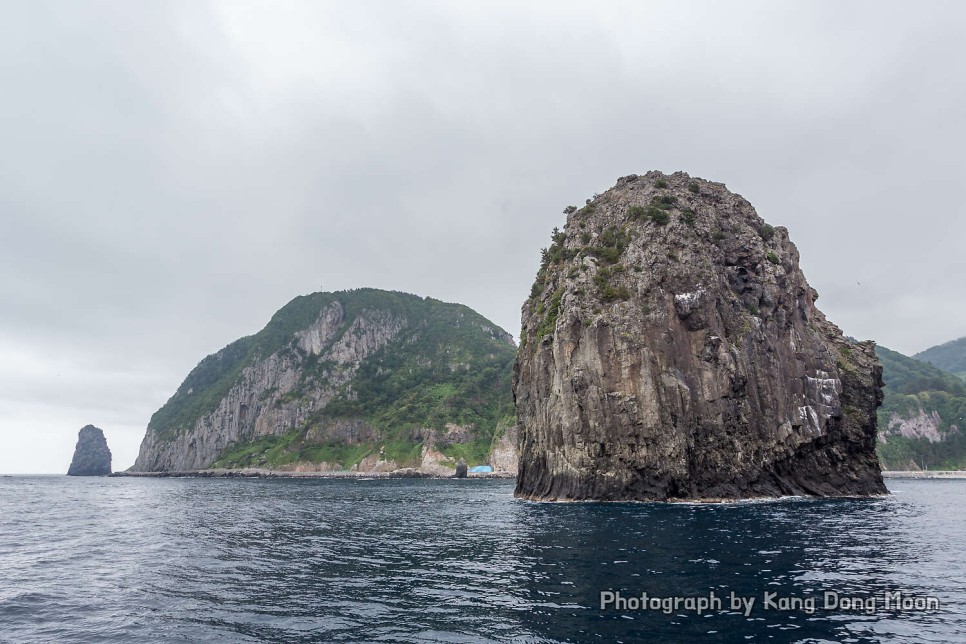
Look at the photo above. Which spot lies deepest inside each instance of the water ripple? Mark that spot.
(111, 560)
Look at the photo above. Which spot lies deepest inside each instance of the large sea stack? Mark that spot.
(671, 349)
(91, 455)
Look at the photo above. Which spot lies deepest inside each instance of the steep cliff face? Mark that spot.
(336, 379)
(91, 454)
(505, 453)
(671, 349)
(917, 424)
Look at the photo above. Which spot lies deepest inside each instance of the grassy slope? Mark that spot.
(950, 357)
(911, 385)
(451, 372)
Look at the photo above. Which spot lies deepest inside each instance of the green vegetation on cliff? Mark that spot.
(290, 447)
(905, 375)
(211, 380)
(921, 398)
(447, 366)
(950, 357)
(449, 371)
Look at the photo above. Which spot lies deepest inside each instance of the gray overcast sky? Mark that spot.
(171, 173)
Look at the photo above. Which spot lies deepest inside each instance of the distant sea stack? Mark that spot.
(363, 380)
(671, 349)
(91, 455)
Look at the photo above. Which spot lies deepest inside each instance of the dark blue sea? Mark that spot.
(282, 560)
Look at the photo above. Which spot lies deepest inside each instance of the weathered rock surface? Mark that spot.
(262, 403)
(91, 455)
(505, 452)
(918, 425)
(461, 469)
(361, 369)
(671, 349)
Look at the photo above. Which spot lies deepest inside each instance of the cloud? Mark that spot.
(173, 173)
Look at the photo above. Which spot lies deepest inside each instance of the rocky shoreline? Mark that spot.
(927, 474)
(412, 473)
(265, 473)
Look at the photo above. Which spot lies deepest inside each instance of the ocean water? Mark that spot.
(282, 560)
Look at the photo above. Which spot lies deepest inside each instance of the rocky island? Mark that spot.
(91, 455)
(671, 349)
(361, 381)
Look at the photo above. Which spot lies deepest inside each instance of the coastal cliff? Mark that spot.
(367, 380)
(921, 421)
(671, 349)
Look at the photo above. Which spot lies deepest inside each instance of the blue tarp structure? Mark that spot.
(481, 469)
